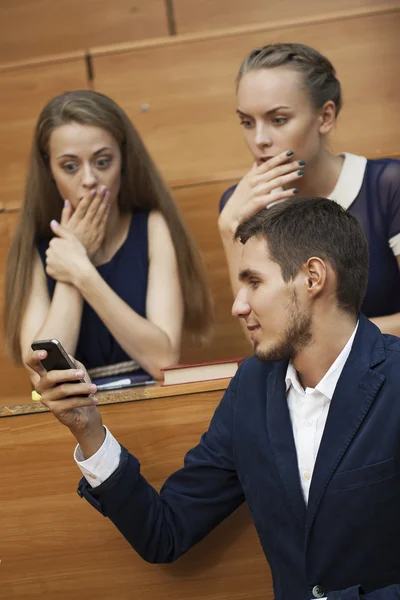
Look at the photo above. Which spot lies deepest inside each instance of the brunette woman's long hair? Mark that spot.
(142, 188)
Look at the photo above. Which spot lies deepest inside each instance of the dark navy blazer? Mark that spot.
(348, 537)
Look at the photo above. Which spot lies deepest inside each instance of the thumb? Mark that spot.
(60, 231)
(66, 212)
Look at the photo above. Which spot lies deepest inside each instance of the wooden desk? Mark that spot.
(53, 545)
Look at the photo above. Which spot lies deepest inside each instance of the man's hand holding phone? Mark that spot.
(69, 398)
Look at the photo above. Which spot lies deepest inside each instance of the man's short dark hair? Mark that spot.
(299, 228)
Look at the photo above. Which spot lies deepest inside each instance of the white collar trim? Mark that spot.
(350, 180)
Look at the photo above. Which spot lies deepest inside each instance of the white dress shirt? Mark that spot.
(308, 410)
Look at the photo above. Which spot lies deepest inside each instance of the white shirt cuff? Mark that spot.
(101, 465)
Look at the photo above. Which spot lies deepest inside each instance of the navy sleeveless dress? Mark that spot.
(127, 275)
(370, 191)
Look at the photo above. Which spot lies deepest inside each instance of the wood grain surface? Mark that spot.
(55, 546)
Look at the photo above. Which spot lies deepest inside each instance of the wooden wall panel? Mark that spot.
(192, 15)
(199, 205)
(54, 545)
(15, 384)
(190, 126)
(35, 28)
(23, 94)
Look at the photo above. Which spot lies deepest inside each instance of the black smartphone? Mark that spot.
(57, 358)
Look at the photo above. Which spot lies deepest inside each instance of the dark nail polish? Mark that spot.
(295, 191)
(301, 172)
(289, 153)
(301, 163)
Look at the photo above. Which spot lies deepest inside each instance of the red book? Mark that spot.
(218, 369)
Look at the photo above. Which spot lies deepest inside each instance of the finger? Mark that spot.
(260, 202)
(275, 161)
(53, 379)
(75, 362)
(61, 231)
(278, 182)
(96, 202)
(54, 244)
(50, 270)
(54, 393)
(80, 367)
(60, 407)
(101, 211)
(34, 361)
(65, 390)
(50, 262)
(59, 376)
(102, 214)
(253, 169)
(66, 213)
(84, 204)
(279, 195)
(279, 171)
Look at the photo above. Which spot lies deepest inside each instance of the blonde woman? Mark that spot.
(101, 258)
(288, 100)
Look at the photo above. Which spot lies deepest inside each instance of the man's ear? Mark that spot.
(316, 274)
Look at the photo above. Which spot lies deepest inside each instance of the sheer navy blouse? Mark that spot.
(370, 190)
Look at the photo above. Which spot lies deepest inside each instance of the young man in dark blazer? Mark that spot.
(308, 431)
